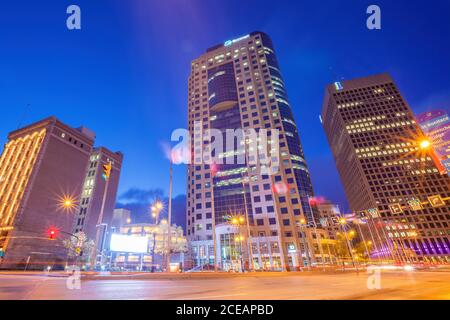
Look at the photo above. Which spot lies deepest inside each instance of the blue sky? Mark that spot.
(124, 75)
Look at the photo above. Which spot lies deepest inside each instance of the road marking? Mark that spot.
(211, 297)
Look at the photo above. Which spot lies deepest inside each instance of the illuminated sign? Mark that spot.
(396, 208)
(436, 201)
(374, 213)
(338, 86)
(415, 204)
(291, 248)
(125, 243)
(230, 42)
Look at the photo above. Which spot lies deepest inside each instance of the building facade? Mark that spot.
(42, 167)
(436, 126)
(329, 213)
(97, 192)
(387, 170)
(238, 86)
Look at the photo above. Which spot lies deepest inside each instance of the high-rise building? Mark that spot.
(42, 169)
(386, 165)
(436, 126)
(51, 179)
(98, 194)
(238, 85)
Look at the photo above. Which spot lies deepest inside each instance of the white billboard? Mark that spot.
(124, 243)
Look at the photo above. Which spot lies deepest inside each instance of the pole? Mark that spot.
(99, 221)
(320, 246)
(169, 236)
(250, 246)
(364, 240)
(213, 211)
(306, 247)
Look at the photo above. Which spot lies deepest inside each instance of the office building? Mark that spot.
(387, 165)
(42, 169)
(238, 85)
(98, 197)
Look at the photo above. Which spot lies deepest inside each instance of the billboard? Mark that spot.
(125, 243)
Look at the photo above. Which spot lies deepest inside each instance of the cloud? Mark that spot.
(141, 195)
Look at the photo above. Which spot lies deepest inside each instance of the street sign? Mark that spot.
(436, 201)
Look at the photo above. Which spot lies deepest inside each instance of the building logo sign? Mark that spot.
(436, 201)
(230, 42)
(291, 248)
(415, 204)
(396, 208)
(338, 85)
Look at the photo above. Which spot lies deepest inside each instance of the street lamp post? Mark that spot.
(156, 209)
(305, 246)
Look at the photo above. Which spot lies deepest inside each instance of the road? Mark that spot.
(298, 286)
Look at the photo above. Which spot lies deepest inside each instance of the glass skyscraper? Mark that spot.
(238, 85)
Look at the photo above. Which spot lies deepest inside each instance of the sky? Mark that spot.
(124, 74)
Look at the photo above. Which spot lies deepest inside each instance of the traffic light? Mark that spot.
(107, 171)
(52, 233)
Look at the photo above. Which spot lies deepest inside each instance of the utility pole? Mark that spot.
(100, 217)
(169, 218)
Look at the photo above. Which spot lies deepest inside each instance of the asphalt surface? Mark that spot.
(267, 286)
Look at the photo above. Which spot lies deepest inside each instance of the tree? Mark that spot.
(79, 246)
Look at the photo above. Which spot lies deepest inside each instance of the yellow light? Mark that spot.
(241, 219)
(302, 221)
(68, 203)
(128, 220)
(352, 233)
(342, 221)
(159, 205)
(425, 144)
(234, 221)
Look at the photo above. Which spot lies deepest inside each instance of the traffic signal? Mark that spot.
(107, 171)
(52, 233)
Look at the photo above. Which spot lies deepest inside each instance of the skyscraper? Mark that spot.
(41, 170)
(386, 164)
(238, 85)
(436, 125)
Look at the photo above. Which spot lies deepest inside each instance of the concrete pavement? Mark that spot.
(264, 286)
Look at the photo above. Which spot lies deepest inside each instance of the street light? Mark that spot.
(425, 144)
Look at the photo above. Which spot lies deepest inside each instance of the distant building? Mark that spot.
(328, 213)
(120, 218)
(436, 125)
(42, 166)
(387, 170)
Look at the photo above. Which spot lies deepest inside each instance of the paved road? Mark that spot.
(394, 285)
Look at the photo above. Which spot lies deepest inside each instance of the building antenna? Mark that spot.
(24, 114)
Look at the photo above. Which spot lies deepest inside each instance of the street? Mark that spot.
(264, 286)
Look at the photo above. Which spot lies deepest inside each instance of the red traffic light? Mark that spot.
(52, 233)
